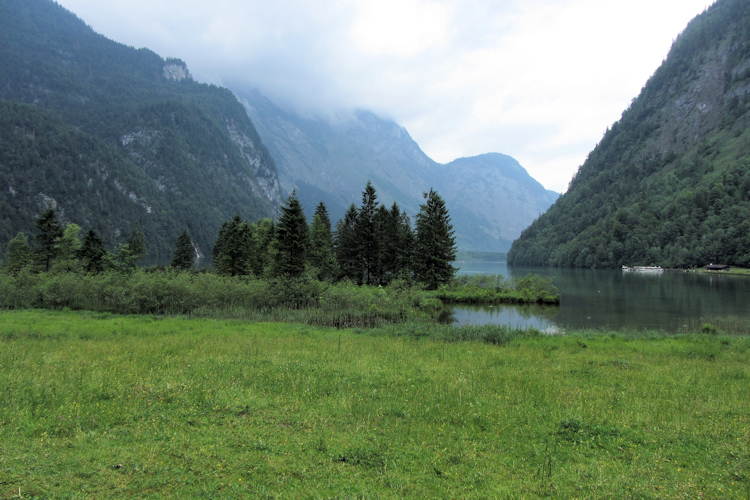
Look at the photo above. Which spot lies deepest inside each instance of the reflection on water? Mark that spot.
(516, 316)
(668, 301)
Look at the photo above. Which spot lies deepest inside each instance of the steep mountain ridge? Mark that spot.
(491, 198)
(170, 153)
(669, 183)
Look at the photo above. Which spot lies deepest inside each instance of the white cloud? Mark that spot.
(539, 80)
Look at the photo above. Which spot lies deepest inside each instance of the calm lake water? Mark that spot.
(666, 301)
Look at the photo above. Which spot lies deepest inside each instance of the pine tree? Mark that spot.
(292, 240)
(435, 246)
(49, 236)
(184, 252)
(232, 252)
(92, 253)
(321, 244)
(347, 247)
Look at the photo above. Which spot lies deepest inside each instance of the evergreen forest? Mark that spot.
(669, 183)
(111, 136)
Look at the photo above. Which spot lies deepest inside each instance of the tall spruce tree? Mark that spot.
(347, 247)
(232, 252)
(435, 246)
(49, 236)
(321, 244)
(396, 241)
(93, 253)
(292, 239)
(367, 232)
(184, 252)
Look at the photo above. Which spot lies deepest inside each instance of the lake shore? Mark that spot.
(104, 405)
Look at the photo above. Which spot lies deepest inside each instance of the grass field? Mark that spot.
(99, 406)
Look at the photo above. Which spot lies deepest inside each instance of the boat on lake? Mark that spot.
(643, 269)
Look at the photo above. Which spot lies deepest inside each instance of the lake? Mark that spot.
(593, 298)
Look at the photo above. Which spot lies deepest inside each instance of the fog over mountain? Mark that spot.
(491, 197)
(539, 80)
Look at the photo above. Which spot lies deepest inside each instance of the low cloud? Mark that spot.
(539, 80)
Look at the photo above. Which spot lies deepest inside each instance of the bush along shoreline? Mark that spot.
(304, 299)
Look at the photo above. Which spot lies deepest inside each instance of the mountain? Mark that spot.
(111, 135)
(669, 183)
(491, 198)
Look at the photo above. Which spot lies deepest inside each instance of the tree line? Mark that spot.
(371, 245)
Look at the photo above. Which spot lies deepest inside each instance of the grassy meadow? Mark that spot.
(95, 405)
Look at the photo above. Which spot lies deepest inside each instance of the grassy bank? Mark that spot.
(98, 405)
(496, 289)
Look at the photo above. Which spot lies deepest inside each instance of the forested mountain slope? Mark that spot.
(669, 183)
(491, 198)
(111, 135)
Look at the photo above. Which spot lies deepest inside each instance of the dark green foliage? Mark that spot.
(19, 253)
(367, 233)
(137, 243)
(233, 250)
(48, 237)
(347, 247)
(669, 184)
(265, 234)
(435, 244)
(112, 140)
(184, 252)
(292, 240)
(92, 253)
(396, 240)
(321, 245)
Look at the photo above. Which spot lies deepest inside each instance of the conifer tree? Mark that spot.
(136, 243)
(184, 252)
(49, 236)
(396, 241)
(92, 253)
(347, 247)
(232, 252)
(292, 239)
(321, 244)
(367, 225)
(435, 246)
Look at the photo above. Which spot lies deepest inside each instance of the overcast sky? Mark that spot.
(539, 80)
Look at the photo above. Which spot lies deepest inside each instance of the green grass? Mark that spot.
(95, 405)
